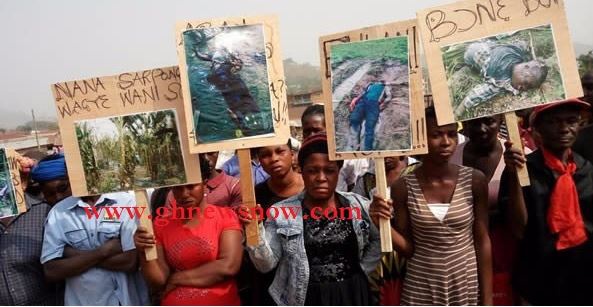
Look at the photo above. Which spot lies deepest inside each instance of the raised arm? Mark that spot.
(512, 198)
(481, 237)
(266, 255)
(156, 272)
(401, 234)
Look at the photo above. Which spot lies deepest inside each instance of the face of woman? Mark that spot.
(189, 195)
(442, 140)
(276, 160)
(483, 130)
(320, 176)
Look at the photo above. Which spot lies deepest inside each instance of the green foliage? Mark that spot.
(86, 145)
(391, 48)
(145, 151)
(585, 62)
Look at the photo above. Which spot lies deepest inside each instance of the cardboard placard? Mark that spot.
(233, 83)
(125, 132)
(12, 197)
(487, 57)
(352, 63)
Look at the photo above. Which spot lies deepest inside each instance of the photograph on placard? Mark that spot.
(228, 81)
(8, 204)
(371, 95)
(131, 152)
(502, 73)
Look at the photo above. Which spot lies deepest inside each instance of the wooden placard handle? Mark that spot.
(384, 225)
(248, 194)
(514, 136)
(145, 221)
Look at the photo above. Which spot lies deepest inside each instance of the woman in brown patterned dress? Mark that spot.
(441, 226)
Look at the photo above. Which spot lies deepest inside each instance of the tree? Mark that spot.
(585, 63)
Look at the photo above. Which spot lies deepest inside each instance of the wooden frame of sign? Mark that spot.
(471, 20)
(275, 84)
(16, 187)
(417, 129)
(122, 95)
(269, 50)
(416, 98)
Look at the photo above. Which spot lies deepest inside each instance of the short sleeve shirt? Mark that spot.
(69, 223)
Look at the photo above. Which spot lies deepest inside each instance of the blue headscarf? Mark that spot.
(50, 168)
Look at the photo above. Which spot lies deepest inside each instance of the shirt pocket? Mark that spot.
(77, 238)
(289, 238)
(107, 231)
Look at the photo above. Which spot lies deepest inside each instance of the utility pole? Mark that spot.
(36, 131)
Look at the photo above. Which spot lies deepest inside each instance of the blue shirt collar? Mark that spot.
(102, 201)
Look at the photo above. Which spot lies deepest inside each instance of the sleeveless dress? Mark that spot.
(443, 269)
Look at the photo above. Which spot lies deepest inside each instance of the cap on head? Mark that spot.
(50, 168)
(537, 111)
(316, 143)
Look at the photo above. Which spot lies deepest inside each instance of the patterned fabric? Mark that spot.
(187, 248)
(443, 269)
(21, 274)
(336, 235)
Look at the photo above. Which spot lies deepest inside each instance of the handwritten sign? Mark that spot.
(239, 99)
(398, 66)
(103, 120)
(12, 197)
(479, 52)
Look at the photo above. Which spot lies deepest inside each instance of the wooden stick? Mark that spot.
(145, 220)
(248, 194)
(384, 225)
(514, 136)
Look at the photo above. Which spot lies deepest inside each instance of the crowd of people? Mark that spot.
(469, 233)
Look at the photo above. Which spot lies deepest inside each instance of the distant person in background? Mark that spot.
(394, 168)
(284, 182)
(231, 168)
(525, 129)
(313, 122)
(584, 143)
(484, 151)
(21, 239)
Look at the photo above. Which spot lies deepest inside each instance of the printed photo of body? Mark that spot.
(131, 152)
(228, 82)
(370, 95)
(8, 206)
(503, 73)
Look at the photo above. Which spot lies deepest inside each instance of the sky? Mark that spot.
(44, 42)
